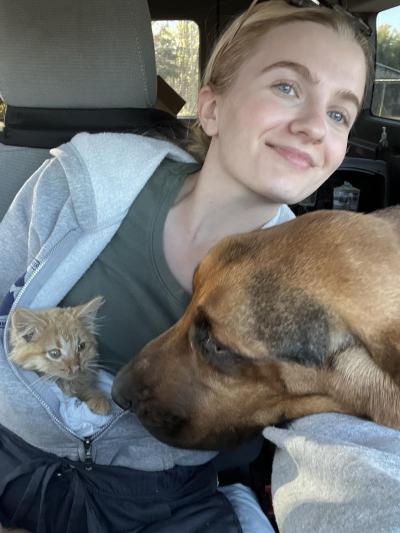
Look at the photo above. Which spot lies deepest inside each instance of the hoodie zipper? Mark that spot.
(87, 441)
(87, 446)
(35, 271)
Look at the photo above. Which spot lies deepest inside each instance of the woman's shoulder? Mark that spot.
(106, 171)
(128, 148)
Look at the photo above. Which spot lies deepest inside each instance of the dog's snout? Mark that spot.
(120, 399)
(121, 391)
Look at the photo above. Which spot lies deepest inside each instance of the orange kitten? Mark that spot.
(60, 344)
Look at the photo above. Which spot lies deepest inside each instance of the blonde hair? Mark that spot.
(238, 40)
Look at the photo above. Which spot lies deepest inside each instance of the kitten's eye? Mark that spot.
(81, 346)
(55, 353)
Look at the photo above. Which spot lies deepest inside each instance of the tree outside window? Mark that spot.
(176, 45)
(386, 98)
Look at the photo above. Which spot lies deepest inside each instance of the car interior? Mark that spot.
(118, 66)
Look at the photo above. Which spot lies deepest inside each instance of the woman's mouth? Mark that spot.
(297, 158)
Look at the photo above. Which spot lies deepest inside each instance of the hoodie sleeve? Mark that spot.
(30, 220)
(335, 474)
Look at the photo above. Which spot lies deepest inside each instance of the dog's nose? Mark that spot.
(119, 398)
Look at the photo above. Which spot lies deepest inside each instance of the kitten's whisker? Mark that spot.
(97, 365)
(104, 368)
(91, 370)
(41, 378)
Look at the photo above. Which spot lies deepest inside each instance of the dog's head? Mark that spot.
(265, 317)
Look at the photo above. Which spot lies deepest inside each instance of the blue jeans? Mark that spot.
(245, 504)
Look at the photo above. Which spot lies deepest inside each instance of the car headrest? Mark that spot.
(90, 54)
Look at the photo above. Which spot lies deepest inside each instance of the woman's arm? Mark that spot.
(29, 220)
(335, 473)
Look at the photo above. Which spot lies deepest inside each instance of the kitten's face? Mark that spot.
(58, 342)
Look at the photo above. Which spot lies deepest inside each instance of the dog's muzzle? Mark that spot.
(130, 393)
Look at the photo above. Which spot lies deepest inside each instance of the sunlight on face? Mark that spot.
(283, 126)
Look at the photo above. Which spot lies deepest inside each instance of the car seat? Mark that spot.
(67, 67)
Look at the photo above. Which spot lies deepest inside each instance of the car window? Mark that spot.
(176, 45)
(386, 97)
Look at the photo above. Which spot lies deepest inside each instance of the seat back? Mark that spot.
(67, 67)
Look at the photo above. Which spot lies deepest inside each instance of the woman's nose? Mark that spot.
(310, 123)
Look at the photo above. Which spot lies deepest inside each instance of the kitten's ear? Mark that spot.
(87, 312)
(27, 324)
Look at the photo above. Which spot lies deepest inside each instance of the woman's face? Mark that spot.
(282, 127)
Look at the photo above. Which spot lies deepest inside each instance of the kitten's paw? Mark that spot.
(99, 405)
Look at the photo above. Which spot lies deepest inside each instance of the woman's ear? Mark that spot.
(207, 110)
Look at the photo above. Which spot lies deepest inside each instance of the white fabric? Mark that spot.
(284, 214)
(75, 413)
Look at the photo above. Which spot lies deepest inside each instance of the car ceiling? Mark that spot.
(369, 6)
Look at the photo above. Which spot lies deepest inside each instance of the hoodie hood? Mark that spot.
(106, 171)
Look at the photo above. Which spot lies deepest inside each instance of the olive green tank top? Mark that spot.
(142, 297)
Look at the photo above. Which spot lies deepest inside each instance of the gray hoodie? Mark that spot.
(57, 225)
(59, 222)
(335, 473)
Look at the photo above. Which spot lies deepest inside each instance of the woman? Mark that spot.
(130, 217)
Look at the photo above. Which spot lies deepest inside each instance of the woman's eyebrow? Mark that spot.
(297, 67)
(350, 97)
(304, 72)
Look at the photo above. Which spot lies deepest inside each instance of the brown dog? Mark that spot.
(297, 319)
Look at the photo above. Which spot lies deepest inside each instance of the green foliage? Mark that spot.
(388, 46)
(177, 57)
(386, 98)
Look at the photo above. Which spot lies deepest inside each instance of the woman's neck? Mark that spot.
(209, 208)
(212, 206)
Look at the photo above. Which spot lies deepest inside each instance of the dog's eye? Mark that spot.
(212, 346)
(216, 352)
(221, 357)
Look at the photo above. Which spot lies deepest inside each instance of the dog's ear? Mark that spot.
(385, 350)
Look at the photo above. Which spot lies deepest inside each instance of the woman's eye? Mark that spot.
(81, 346)
(54, 354)
(338, 117)
(286, 88)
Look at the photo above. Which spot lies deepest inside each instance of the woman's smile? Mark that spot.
(297, 158)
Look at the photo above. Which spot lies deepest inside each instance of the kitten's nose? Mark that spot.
(75, 369)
